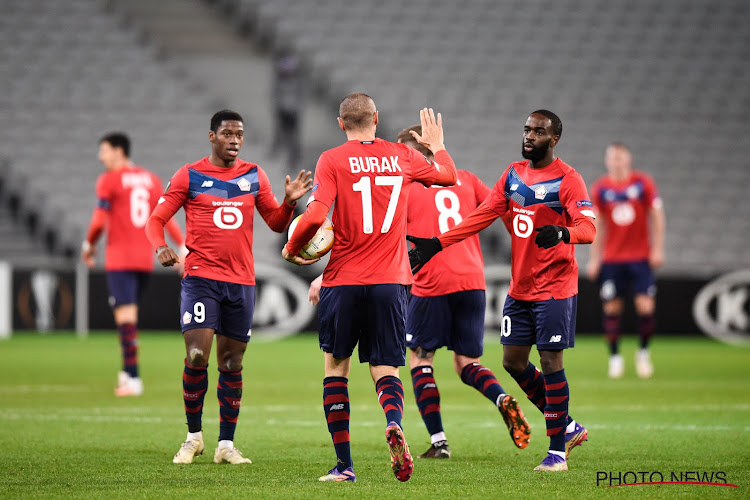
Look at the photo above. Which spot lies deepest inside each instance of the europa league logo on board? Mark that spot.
(44, 301)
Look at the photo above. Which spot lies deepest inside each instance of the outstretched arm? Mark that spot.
(426, 248)
(278, 216)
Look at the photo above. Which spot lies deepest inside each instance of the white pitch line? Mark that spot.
(89, 419)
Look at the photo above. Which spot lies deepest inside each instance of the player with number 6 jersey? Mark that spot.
(219, 194)
(363, 299)
(126, 194)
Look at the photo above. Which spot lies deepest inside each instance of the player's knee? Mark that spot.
(644, 305)
(231, 363)
(196, 357)
(551, 361)
(460, 362)
(513, 365)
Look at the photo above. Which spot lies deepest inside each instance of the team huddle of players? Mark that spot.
(410, 186)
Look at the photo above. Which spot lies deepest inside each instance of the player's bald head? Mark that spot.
(357, 111)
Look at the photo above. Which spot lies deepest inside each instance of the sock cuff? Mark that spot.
(233, 373)
(554, 377)
(127, 327)
(388, 378)
(420, 369)
(196, 368)
(465, 370)
(329, 380)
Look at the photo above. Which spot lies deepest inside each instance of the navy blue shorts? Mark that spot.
(618, 280)
(372, 315)
(126, 287)
(224, 307)
(454, 320)
(550, 324)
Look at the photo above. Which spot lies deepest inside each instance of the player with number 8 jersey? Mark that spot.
(363, 298)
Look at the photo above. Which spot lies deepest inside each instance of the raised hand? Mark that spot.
(297, 188)
(432, 130)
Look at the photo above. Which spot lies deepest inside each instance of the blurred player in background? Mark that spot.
(625, 200)
(126, 195)
(447, 305)
(545, 196)
(219, 194)
(363, 298)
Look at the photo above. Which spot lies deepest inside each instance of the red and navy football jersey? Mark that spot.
(129, 196)
(435, 210)
(368, 185)
(535, 197)
(625, 207)
(219, 206)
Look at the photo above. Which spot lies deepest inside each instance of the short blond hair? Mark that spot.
(356, 111)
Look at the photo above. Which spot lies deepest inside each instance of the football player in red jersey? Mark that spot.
(126, 195)
(625, 201)
(447, 305)
(546, 197)
(219, 194)
(363, 298)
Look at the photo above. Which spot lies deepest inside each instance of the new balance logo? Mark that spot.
(207, 184)
(339, 406)
(555, 338)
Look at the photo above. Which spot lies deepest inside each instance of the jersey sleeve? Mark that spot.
(104, 192)
(276, 215)
(422, 169)
(496, 200)
(652, 192)
(175, 195)
(324, 183)
(575, 200)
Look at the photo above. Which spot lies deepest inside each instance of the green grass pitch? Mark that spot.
(64, 434)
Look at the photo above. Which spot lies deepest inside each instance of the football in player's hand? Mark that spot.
(320, 244)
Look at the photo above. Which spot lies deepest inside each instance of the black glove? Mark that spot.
(424, 249)
(550, 235)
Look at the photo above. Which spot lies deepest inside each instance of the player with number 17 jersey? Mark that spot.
(370, 182)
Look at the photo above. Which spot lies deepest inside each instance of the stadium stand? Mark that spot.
(665, 77)
(661, 76)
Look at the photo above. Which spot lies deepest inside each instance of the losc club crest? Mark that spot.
(540, 192)
(244, 184)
